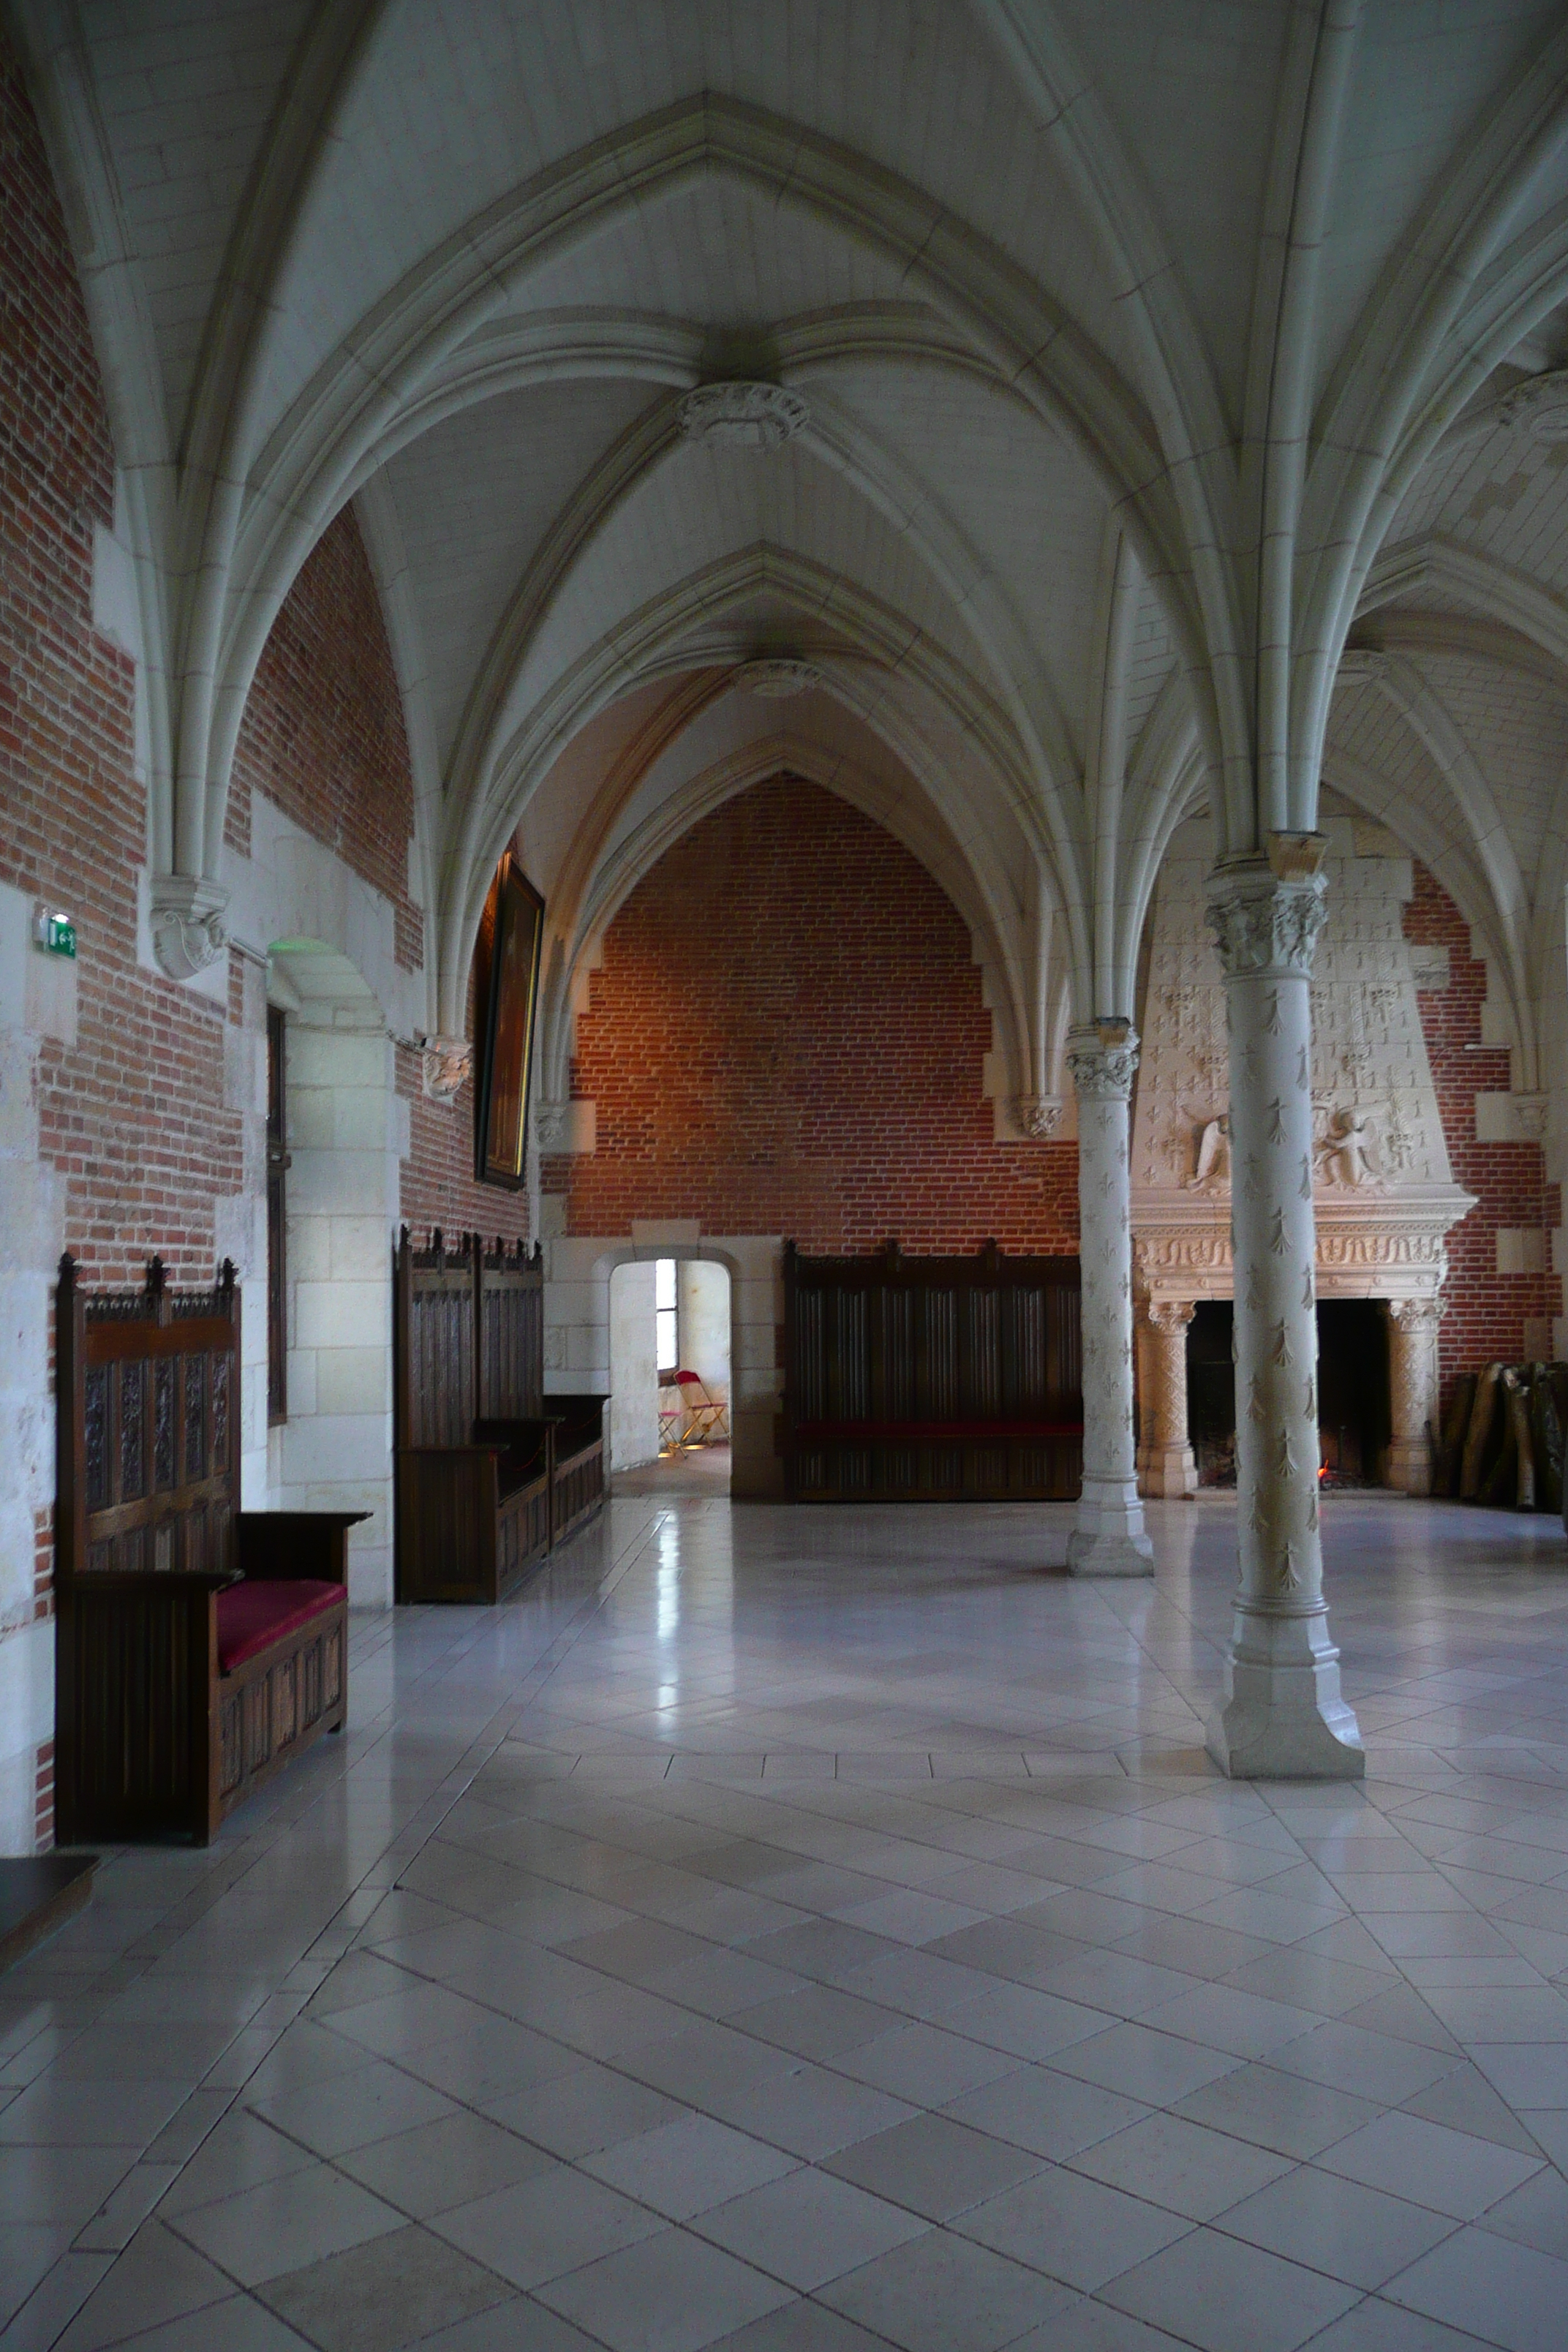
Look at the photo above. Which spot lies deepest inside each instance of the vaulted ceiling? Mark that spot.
(1047, 276)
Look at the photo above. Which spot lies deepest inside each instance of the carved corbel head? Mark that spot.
(448, 1064)
(188, 931)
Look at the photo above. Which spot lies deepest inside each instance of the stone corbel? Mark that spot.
(1531, 1112)
(1037, 1115)
(188, 929)
(448, 1064)
(550, 1125)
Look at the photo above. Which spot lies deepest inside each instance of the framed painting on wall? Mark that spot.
(510, 939)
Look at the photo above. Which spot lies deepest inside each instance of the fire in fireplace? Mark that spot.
(1353, 1391)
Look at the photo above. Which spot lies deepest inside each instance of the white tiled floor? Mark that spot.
(811, 1931)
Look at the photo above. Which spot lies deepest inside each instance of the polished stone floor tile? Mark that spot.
(396, 2290)
(946, 2291)
(803, 1932)
(808, 2228)
(1225, 2296)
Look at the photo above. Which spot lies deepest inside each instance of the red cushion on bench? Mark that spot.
(251, 1614)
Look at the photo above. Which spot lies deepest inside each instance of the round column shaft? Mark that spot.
(1283, 1714)
(1413, 1383)
(1165, 1457)
(1109, 1538)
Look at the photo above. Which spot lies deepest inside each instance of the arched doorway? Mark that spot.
(671, 1372)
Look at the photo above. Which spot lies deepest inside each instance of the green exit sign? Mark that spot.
(55, 934)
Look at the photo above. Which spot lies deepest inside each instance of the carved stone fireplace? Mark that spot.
(1382, 1186)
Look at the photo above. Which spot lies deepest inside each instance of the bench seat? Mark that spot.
(250, 1616)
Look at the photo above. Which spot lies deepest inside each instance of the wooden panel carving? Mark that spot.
(489, 1472)
(151, 1736)
(934, 1379)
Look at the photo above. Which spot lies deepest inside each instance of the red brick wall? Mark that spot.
(133, 1116)
(439, 1187)
(1486, 1310)
(787, 1036)
(322, 734)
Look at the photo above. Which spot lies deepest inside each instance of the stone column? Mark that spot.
(1109, 1540)
(1165, 1456)
(1283, 1714)
(1412, 1390)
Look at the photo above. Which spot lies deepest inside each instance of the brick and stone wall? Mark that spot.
(322, 734)
(1492, 1312)
(787, 1035)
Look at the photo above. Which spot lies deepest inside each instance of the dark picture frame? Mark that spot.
(511, 939)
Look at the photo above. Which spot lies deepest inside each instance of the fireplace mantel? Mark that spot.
(1387, 1242)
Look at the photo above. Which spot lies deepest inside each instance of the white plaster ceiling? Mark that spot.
(463, 257)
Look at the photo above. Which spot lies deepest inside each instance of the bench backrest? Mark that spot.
(147, 1439)
(468, 1337)
(890, 1339)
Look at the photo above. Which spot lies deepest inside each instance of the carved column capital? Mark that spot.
(1170, 1314)
(1264, 927)
(448, 1064)
(1415, 1314)
(1104, 1060)
(188, 929)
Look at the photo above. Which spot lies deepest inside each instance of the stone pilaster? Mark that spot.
(1283, 1714)
(1165, 1462)
(1109, 1538)
(1412, 1390)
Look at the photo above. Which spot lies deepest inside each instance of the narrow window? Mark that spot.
(277, 1164)
(664, 1315)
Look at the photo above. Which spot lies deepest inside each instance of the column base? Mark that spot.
(1410, 1466)
(1169, 1473)
(1282, 1716)
(1109, 1537)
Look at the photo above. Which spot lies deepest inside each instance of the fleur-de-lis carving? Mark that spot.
(1305, 1186)
(1276, 1121)
(1280, 1348)
(1253, 1294)
(1255, 1401)
(1308, 1296)
(1290, 1570)
(1284, 1460)
(1273, 1026)
(1303, 1071)
(1279, 1239)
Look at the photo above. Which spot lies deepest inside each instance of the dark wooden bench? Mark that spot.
(199, 1647)
(932, 1379)
(490, 1474)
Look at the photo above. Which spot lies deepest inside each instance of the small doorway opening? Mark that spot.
(1353, 1391)
(670, 1374)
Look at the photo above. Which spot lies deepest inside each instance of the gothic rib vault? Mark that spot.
(1144, 426)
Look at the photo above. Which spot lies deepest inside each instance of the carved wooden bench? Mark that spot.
(490, 1472)
(200, 1647)
(932, 1379)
